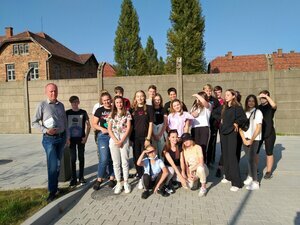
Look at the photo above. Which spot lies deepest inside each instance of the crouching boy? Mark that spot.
(155, 172)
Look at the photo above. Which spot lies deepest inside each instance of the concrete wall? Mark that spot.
(283, 85)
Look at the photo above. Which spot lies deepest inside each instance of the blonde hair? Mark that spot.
(207, 86)
(135, 104)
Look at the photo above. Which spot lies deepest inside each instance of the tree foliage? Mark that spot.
(161, 66)
(185, 38)
(142, 65)
(151, 54)
(127, 40)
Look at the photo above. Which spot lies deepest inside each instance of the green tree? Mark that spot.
(151, 54)
(127, 40)
(185, 38)
(142, 65)
(161, 66)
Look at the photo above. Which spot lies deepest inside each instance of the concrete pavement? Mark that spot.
(23, 161)
(277, 201)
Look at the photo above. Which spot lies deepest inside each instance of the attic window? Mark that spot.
(21, 49)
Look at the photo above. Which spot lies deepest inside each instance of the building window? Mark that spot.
(10, 72)
(26, 48)
(21, 49)
(34, 75)
(16, 49)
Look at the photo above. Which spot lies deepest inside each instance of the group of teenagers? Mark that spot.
(174, 147)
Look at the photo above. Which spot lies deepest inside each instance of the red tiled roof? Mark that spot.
(246, 63)
(254, 63)
(85, 57)
(50, 44)
(286, 60)
(55, 48)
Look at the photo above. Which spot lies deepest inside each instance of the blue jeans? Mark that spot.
(105, 157)
(54, 147)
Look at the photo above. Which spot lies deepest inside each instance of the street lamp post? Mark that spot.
(26, 101)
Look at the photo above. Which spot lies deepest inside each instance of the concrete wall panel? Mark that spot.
(286, 87)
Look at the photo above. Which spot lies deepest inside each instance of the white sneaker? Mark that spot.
(248, 181)
(127, 188)
(140, 184)
(253, 186)
(202, 192)
(234, 189)
(224, 181)
(118, 188)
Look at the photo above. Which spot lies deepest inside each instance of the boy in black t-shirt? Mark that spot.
(79, 129)
(172, 93)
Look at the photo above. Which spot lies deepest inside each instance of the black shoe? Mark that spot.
(218, 173)
(145, 194)
(169, 189)
(268, 175)
(97, 184)
(51, 197)
(82, 181)
(163, 193)
(73, 183)
(176, 185)
(111, 183)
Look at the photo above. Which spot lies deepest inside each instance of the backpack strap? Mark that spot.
(254, 111)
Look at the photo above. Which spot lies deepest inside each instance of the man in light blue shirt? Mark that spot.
(50, 119)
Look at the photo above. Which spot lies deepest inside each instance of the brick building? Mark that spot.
(108, 70)
(254, 63)
(50, 59)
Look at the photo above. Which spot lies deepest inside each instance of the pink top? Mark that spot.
(177, 121)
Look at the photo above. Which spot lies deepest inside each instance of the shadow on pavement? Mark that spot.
(240, 209)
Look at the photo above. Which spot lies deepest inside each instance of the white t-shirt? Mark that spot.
(156, 167)
(203, 118)
(253, 122)
(149, 101)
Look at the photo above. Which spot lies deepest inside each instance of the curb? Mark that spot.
(51, 211)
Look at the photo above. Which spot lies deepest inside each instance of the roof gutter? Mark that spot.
(47, 66)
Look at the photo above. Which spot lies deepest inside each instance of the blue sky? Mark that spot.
(243, 27)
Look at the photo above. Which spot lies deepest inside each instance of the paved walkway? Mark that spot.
(23, 161)
(277, 202)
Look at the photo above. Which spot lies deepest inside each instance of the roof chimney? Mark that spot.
(229, 55)
(8, 32)
(279, 52)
